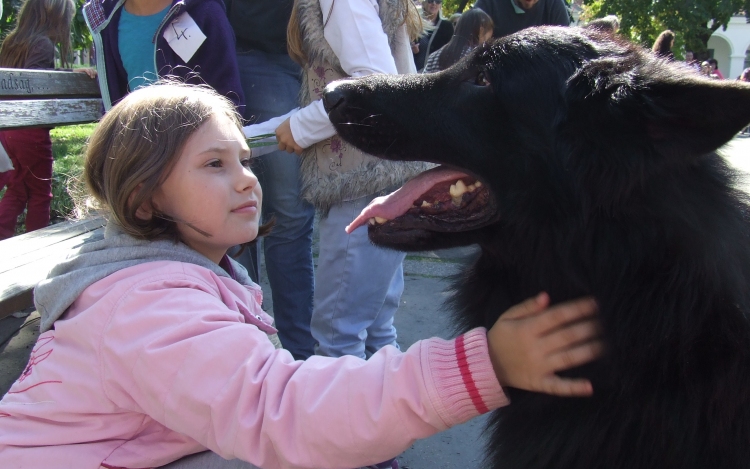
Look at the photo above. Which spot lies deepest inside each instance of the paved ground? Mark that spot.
(421, 315)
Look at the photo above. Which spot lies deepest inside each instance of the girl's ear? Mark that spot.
(145, 211)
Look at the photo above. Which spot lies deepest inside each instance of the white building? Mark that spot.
(731, 48)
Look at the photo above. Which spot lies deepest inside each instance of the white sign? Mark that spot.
(184, 36)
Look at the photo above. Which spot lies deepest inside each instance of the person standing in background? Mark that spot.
(474, 28)
(438, 33)
(358, 285)
(511, 16)
(663, 45)
(138, 41)
(271, 84)
(691, 62)
(715, 68)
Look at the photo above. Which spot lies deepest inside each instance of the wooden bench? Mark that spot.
(41, 98)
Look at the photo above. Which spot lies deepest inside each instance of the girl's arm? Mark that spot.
(355, 34)
(175, 352)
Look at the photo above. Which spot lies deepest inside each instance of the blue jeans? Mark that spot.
(271, 83)
(358, 287)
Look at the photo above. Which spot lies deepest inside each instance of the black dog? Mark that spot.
(597, 176)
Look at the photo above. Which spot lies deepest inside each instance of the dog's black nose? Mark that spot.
(333, 96)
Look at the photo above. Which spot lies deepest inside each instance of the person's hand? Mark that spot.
(415, 47)
(91, 72)
(529, 343)
(286, 139)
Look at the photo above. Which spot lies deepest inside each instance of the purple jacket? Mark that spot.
(214, 61)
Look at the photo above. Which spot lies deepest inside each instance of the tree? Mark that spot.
(455, 6)
(8, 18)
(693, 21)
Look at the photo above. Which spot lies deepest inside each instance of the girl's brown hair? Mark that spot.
(38, 20)
(469, 28)
(295, 46)
(663, 44)
(136, 145)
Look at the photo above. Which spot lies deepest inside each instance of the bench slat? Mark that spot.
(24, 84)
(16, 285)
(51, 112)
(28, 248)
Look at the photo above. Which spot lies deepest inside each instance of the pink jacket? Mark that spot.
(166, 358)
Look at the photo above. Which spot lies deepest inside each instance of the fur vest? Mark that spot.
(332, 170)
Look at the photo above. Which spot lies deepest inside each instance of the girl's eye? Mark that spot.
(247, 162)
(214, 164)
(481, 80)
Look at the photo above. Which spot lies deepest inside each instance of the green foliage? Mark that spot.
(81, 37)
(8, 18)
(455, 6)
(693, 21)
(68, 145)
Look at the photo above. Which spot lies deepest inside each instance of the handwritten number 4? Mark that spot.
(180, 34)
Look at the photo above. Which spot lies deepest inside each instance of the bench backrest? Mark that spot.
(45, 98)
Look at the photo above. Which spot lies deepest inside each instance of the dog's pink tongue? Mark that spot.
(398, 202)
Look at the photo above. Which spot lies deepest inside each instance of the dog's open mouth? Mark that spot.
(441, 199)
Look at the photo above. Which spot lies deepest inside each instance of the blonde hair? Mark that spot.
(136, 145)
(38, 20)
(295, 45)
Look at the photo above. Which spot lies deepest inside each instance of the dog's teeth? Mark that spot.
(426, 204)
(471, 188)
(380, 221)
(457, 189)
(478, 184)
(371, 221)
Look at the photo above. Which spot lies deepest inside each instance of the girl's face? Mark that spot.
(212, 188)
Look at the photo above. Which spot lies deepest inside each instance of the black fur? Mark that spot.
(600, 160)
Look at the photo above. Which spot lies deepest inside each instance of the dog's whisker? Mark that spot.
(389, 146)
(356, 123)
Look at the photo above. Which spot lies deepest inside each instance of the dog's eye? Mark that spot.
(481, 80)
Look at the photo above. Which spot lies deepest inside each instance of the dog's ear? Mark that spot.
(694, 115)
(681, 112)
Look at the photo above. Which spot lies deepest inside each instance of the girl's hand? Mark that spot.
(286, 139)
(91, 72)
(529, 343)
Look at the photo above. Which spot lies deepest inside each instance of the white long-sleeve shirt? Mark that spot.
(356, 36)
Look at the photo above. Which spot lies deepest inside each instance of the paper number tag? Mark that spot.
(184, 36)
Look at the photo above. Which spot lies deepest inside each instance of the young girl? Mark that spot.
(473, 28)
(154, 345)
(31, 44)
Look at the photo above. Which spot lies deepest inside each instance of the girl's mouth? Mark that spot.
(248, 207)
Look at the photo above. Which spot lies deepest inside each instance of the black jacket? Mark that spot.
(432, 41)
(260, 24)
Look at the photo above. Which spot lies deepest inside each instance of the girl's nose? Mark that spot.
(247, 180)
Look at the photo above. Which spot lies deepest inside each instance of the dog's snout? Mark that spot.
(334, 96)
